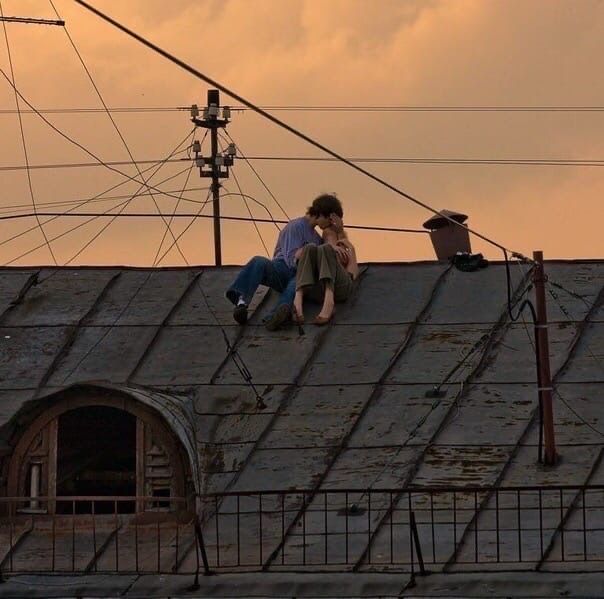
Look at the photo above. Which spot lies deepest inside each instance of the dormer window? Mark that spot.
(97, 447)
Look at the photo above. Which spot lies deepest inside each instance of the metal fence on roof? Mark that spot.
(409, 530)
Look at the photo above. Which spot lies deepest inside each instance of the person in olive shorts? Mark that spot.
(279, 273)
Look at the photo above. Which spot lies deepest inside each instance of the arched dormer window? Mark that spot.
(91, 444)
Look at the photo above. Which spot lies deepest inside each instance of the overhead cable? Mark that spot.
(324, 108)
(196, 215)
(24, 144)
(122, 205)
(262, 182)
(247, 206)
(16, 208)
(76, 143)
(579, 162)
(110, 116)
(280, 123)
(32, 21)
(87, 201)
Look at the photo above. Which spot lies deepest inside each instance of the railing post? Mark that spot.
(200, 547)
(418, 547)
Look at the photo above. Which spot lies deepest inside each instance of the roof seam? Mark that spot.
(493, 334)
(569, 511)
(31, 281)
(373, 395)
(530, 424)
(159, 328)
(71, 338)
(291, 390)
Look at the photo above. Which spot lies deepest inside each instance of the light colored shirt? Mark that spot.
(296, 234)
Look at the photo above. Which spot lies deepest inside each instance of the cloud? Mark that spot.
(466, 52)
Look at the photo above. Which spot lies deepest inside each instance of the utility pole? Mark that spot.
(216, 166)
(545, 377)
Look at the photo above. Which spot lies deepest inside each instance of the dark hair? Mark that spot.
(326, 204)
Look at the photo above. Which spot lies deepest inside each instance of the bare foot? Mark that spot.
(328, 303)
(326, 310)
(298, 307)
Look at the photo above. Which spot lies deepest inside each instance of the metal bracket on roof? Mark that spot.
(352, 510)
(436, 392)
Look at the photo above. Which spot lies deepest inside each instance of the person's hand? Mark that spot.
(342, 254)
(345, 244)
(336, 222)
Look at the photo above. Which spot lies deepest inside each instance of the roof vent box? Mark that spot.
(447, 238)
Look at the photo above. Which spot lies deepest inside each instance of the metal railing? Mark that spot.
(97, 534)
(410, 530)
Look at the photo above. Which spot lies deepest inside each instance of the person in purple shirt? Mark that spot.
(280, 272)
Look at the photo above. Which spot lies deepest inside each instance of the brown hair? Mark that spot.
(326, 204)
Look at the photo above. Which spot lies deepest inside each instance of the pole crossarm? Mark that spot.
(32, 21)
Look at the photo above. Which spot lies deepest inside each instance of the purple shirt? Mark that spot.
(296, 234)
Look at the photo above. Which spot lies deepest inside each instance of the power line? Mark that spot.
(195, 215)
(32, 21)
(161, 243)
(324, 108)
(444, 160)
(183, 65)
(117, 129)
(22, 131)
(16, 208)
(247, 206)
(76, 143)
(71, 211)
(368, 159)
(257, 175)
(98, 197)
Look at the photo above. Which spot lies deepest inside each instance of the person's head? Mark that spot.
(323, 207)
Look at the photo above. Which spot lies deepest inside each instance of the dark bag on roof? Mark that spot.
(469, 262)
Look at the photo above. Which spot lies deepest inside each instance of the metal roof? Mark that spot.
(346, 403)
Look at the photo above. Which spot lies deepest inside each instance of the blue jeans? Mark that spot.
(275, 274)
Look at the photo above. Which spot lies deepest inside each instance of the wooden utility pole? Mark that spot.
(545, 377)
(216, 166)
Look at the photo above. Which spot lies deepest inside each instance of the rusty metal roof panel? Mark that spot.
(270, 469)
(512, 358)
(101, 353)
(382, 467)
(401, 414)
(355, 354)
(588, 362)
(232, 399)
(472, 297)
(434, 351)
(273, 358)
(209, 291)
(27, 353)
(391, 293)
(451, 465)
(185, 355)
(584, 280)
(60, 297)
(490, 414)
(142, 297)
(578, 415)
(11, 284)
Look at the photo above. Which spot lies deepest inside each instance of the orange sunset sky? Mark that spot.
(312, 52)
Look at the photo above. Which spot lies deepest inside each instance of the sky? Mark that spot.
(305, 53)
